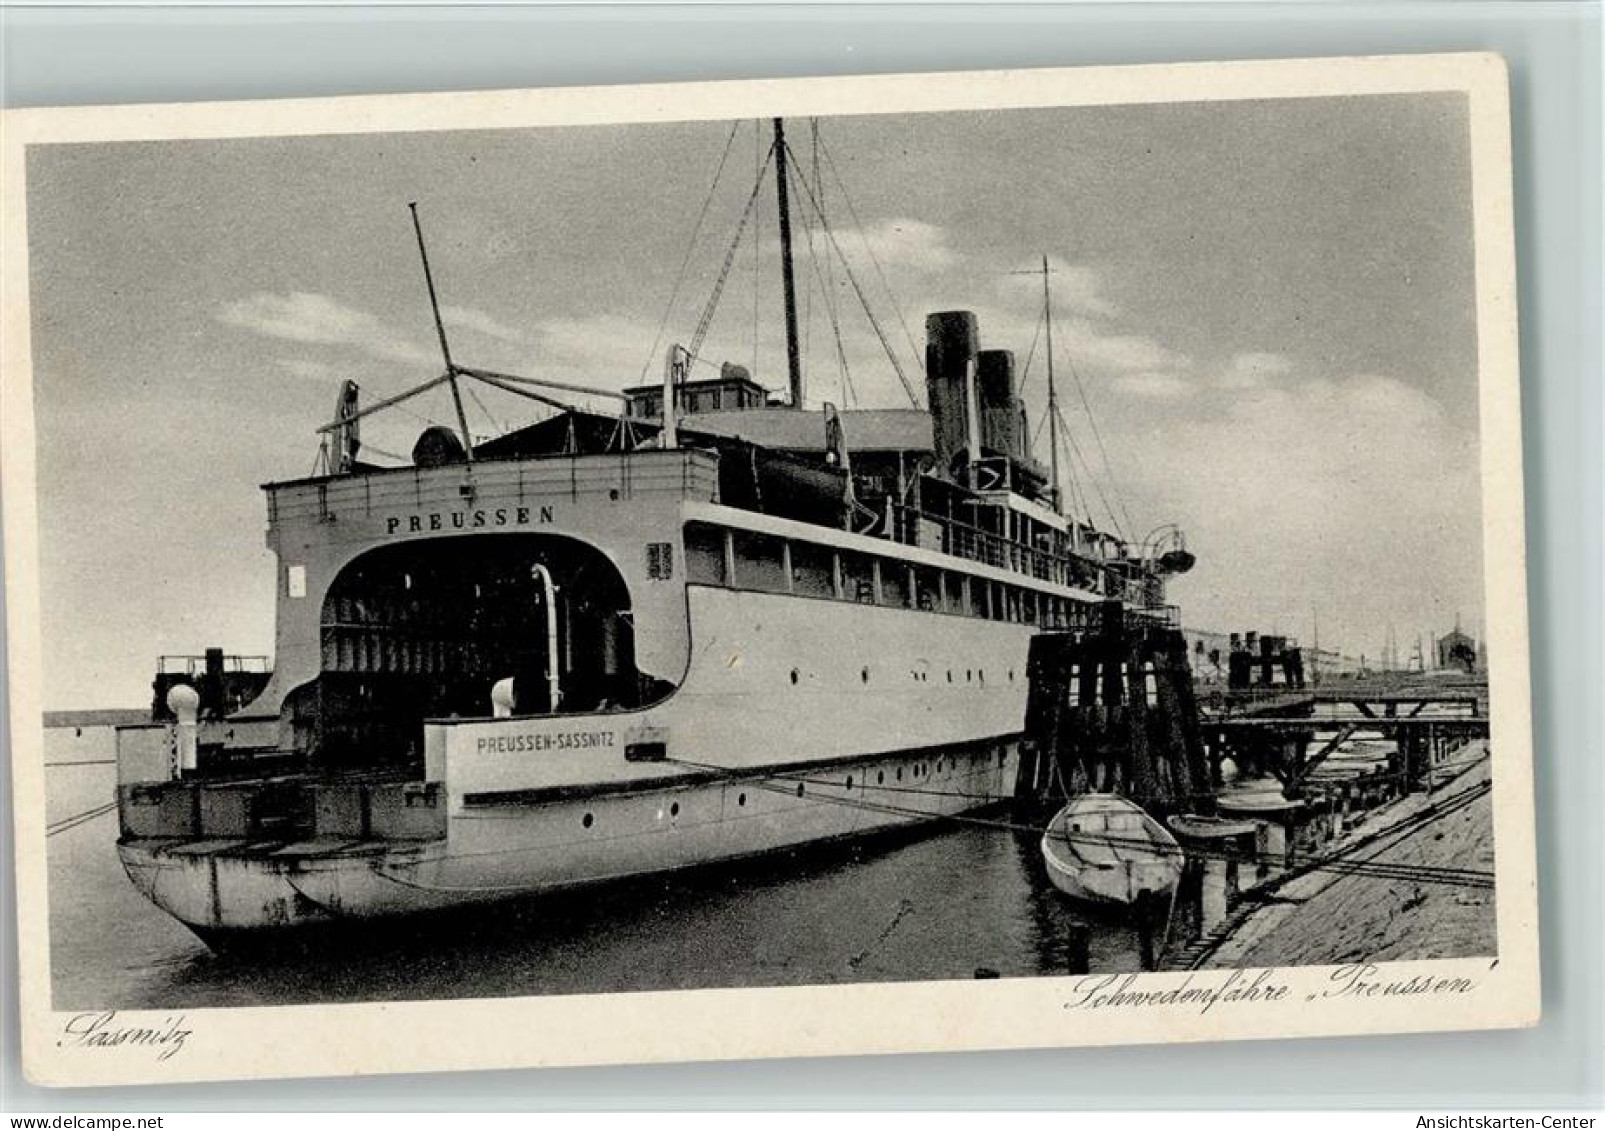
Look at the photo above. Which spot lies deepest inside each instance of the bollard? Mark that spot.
(1213, 901)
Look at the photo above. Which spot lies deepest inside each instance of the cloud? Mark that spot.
(1254, 370)
(599, 349)
(1091, 346)
(1154, 385)
(308, 370)
(1358, 494)
(315, 319)
(900, 242)
(1077, 289)
(478, 322)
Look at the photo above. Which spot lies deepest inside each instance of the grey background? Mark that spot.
(58, 55)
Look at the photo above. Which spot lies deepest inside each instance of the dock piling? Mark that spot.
(1214, 894)
(1078, 949)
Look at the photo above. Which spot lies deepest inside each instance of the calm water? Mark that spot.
(935, 906)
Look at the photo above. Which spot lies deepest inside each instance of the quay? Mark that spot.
(1316, 916)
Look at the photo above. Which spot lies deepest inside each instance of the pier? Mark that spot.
(1276, 792)
(1414, 882)
(1290, 733)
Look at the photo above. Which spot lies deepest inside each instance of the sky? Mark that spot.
(1263, 318)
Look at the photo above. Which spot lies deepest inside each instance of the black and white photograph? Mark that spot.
(961, 561)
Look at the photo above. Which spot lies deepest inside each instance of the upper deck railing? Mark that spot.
(196, 665)
(1122, 579)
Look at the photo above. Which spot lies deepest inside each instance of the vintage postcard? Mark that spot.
(766, 568)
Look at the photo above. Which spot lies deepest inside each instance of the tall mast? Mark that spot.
(440, 329)
(1315, 652)
(782, 193)
(1053, 396)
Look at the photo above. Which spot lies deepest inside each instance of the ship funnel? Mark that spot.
(1002, 415)
(951, 340)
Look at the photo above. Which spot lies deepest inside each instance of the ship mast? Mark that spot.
(788, 282)
(440, 329)
(1053, 395)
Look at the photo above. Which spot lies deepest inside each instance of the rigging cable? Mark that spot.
(494, 423)
(66, 824)
(848, 392)
(1338, 863)
(690, 247)
(706, 320)
(1078, 493)
(1109, 469)
(1036, 335)
(864, 239)
(1114, 518)
(828, 283)
(863, 299)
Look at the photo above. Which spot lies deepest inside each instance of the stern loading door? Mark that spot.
(425, 629)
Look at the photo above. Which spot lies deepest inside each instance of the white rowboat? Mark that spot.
(1104, 849)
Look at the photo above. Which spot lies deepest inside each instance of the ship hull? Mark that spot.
(518, 850)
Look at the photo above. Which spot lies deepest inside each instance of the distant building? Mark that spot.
(1208, 654)
(1457, 650)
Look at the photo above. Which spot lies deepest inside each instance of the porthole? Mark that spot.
(741, 799)
(674, 810)
(1011, 675)
(969, 675)
(900, 773)
(588, 820)
(800, 789)
(950, 675)
(864, 675)
(795, 675)
(849, 784)
(982, 675)
(880, 777)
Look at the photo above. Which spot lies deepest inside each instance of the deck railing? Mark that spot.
(915, 527)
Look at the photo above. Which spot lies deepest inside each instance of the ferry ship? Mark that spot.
(712, 625)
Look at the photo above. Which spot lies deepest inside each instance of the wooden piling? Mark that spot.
(1151, 912)
(1212, 902)
(1078, 949)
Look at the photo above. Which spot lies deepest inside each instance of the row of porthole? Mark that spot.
(920, 768)
(971, 675)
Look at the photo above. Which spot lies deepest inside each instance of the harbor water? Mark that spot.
(938, 904)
